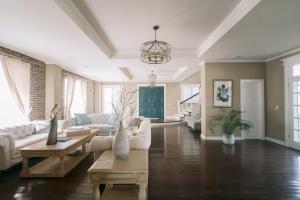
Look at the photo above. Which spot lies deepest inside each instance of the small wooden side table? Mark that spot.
(109, 170)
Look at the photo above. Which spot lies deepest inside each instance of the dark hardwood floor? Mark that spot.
(184, 167)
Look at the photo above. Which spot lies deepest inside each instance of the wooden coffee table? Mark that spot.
(58, 162)
(110, 170)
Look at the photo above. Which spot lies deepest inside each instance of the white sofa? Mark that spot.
(102, 121)
(140, 139)
(12, 139)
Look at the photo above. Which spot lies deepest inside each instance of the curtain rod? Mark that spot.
(22, 58)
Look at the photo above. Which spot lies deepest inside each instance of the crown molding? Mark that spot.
(77, 16)
(187, 73)
(235, 61)
(283, 54)
(237, 14)
(126, 72)
(134, 54)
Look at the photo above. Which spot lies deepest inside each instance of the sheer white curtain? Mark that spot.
(84, 93)
(69, 95)
(17, 74)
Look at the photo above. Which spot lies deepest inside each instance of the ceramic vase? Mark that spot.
(52, 136)
(121, 143)
(228, 139)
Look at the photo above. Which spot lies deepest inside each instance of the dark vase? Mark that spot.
(52, 136)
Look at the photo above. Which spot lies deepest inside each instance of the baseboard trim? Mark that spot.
(275, 141)
(217, 138)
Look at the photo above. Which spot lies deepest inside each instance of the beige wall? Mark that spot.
(98, 90)
(234, 72)
(275, 127)
(53, 88)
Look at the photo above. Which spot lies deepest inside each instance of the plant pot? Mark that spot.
(228, 139)
(121, 143)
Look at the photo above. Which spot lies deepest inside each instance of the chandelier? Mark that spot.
(152, 79)
(155, 52)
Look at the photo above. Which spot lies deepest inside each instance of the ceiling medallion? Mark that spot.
(152, 79)
(155, 52)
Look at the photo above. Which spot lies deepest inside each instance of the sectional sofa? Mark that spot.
(12, 139)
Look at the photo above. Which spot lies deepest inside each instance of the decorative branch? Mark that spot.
(122, 102)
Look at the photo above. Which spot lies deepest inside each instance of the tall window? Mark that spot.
(78, 103)
(10, 113)
(109, 94)
(188, 90)
(292, 100)
(296, 102)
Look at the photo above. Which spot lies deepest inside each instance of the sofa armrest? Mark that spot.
(101, 143)
(140, 141)
(7, 150)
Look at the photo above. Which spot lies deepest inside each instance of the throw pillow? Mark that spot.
(82, 119)
(42, 126)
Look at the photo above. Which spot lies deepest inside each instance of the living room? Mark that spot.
(149, 99)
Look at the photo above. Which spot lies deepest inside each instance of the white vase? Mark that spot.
(121, 143)
(228, 139)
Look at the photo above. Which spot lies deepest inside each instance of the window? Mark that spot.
(296, 102)
(79, 97)
(188, 90)
(292, 100)
(10, 113)
(109, 93)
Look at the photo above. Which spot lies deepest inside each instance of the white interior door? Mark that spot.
(252, 106)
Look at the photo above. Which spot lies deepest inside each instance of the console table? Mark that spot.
(109, 170)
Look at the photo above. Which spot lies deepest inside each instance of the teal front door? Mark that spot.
(151, 102)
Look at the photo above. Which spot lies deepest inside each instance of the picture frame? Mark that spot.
(222, 93)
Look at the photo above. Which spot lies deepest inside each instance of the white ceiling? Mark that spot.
(96, 38)
(184, 24)
(270, 29)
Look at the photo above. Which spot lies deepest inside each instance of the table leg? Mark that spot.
(62, 162)
(142, 191)
(83, 148)
(25, 167)
(96, 191)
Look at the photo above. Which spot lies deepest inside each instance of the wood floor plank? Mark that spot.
(182, 167)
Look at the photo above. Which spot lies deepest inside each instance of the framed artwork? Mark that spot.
(222, 93)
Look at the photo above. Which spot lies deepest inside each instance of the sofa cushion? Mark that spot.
(41, 126)
(20, 143)
(103, 128)
(82, 119)
(112, 119)
(72, 122)
(98, 118)
(21, 131)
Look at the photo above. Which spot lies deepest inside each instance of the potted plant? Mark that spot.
(229, 122)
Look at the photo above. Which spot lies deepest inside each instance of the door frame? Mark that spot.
(147, 85)
(288, 78)
(262, 106)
